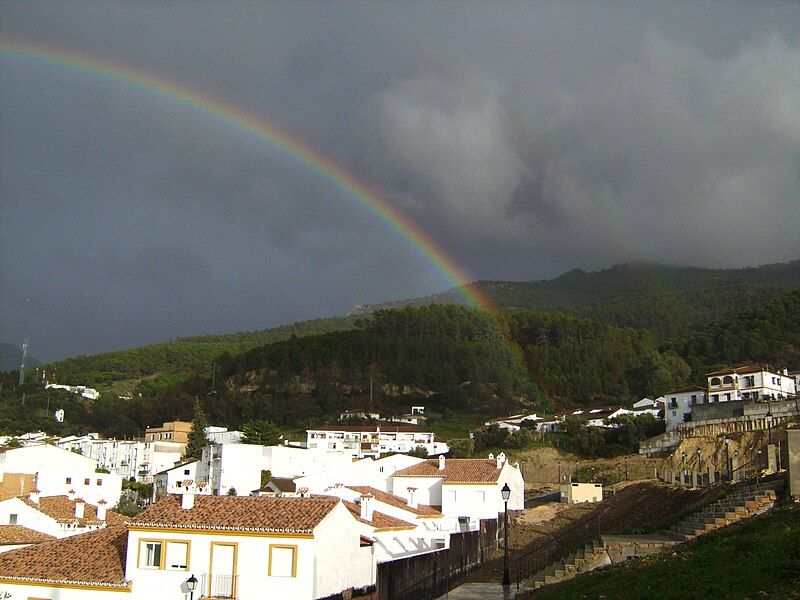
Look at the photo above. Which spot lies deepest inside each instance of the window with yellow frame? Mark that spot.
(169, 555)
(282, 560)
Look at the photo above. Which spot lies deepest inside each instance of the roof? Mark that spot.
(379, 519)
(15, 484)
(385, 428)
(17, 534)
(422, 510)
(177, 466)
(284, 484)
(62, 509)
(96, 558)
(686, 390)
(738, 370)
(251, 513)
(456, 470)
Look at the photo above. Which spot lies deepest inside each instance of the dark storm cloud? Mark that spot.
(527, 139)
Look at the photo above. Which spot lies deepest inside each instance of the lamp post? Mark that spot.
(736, 456)
(769, 420)
(683, 468)
(191, 585)
(727, 457)
(758, 468)
(559, 472)
(618, 466)
(505, 492)
(699, 467)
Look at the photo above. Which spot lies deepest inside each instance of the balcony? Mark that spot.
(214, 587)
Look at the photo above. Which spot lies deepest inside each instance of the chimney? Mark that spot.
(366, 507)
(491, 455)
(101, 510)
(786, 372)
(412, 497)
(441, 462)
(501, 459)
(71, 495)
(80, 508)
(187, 500)
(34, 496)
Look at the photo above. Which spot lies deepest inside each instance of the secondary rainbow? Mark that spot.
(258, 127)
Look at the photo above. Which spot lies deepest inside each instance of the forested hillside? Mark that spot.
(768, 332)
(665, 299)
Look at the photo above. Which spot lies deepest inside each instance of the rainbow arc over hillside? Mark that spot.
(219, 110)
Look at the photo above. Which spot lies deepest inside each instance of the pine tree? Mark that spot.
(197, 436)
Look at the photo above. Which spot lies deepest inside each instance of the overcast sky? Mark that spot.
(527, 139)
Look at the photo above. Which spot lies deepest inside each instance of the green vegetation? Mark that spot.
(760, 559)
(595, 441)
(197, 436)
(261, 431)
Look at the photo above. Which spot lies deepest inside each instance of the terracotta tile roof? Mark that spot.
(739, 370)
(379, 519)
(456, 470)
(252, 513)
(96, 558)
(422, 510)
(686, 390)
(62, 509)
(16, 484)
(17, 534)
(284, 484)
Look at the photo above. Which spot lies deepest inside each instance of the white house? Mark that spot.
(84, 391)
(678, 404)
(749, 383)
(58, 516)
(245, 548)
(467, 489)
(221, 435)
(364, 472)
(360, 441)
(57, 471)
(178, 479)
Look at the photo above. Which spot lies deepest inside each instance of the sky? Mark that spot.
(526, 139)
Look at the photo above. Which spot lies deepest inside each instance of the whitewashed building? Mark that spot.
(749, 383)
(361, 441)
(243, 548)
(678, 405)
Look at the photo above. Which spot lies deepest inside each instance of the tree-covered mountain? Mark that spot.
(11, 358)
(665, 299)
(768, 332)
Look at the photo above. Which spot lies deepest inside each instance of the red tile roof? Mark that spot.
(96, 558)
(456, 470)
(17, 534)
(385, 428)
(422, 510)
(62, 509)
(251, 513)
(379, 519)
(738, 370)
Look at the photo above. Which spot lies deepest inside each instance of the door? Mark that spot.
(222, 572)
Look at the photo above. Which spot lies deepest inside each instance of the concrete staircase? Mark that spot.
(590, 556)
(741, 503)
(745, 502)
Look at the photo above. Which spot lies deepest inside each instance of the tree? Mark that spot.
(261, 431)
(419, 452)
(197, 436)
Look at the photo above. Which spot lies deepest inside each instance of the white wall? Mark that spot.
(89, 486)
(341, 563)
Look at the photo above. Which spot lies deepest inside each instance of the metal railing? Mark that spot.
(563, 542)
(218, 586)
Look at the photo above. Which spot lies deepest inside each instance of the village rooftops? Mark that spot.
(456, 470)
(62, 510)
(421, 510)
(384, 428)
(90, 559)
(380, 521)
(238, 513)
(17, 534)
(284, 484)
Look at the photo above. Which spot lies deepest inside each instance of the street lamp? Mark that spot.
(683, 468)
(505, 492)
(191, 585)
(758, 468)
(769, 420)
(559, 472)
(699, 467)
(728, 457)
(618, 466)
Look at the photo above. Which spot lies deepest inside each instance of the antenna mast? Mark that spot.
(25, 345)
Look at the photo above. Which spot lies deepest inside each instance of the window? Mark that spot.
(12, 519)
(186, 471)
(150, 554)
(86, 481)
(68, 480)
(727, 380)
(282, 561)
(99, 482)
(715, 381)
(715, 397)
(177, 556)
(451, 495)
(480, 496)
(178, 484)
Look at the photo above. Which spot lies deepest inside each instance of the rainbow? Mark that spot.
(264, 131)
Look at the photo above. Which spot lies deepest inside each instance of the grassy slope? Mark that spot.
(759, 559)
